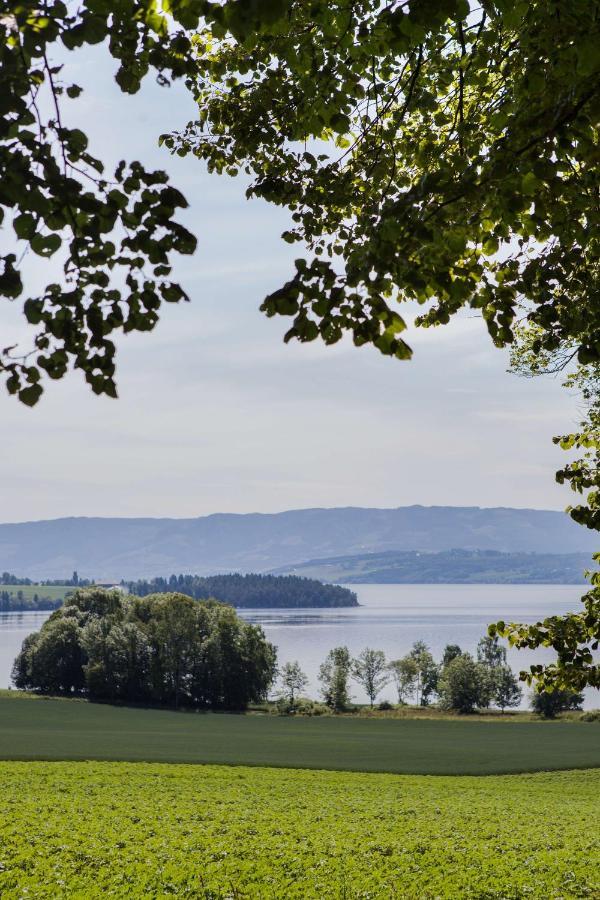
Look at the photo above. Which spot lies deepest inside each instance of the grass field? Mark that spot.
(90, 830)
(66, 730)
(53, 591)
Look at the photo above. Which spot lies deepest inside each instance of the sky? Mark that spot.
(216, 414)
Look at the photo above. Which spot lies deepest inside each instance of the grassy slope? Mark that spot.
(54, 729)
(90, 830)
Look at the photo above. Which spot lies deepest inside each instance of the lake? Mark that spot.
(390, 618)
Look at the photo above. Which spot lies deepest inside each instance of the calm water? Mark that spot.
(390, 618)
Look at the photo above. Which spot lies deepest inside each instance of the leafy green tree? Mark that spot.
(93, 602)
(333, 675)
(504, 687)
(118, 662)
(451, 651)
(465, 685)
(370, 670)
(405, 672)
(549, 703)
(427, 673)
(171, 631)
(52, 659)
(490, 653)
(293, 681)
(507, 691)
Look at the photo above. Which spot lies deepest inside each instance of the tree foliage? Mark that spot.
(164, 649)
(114, 233)
(370, 670)
(427, 673)
(333, 675)
(507, 691)
(490, 652)
(430, 152)
(405, 673)
(465, 684)
(549, 703)
(293, 681)
(451, 651)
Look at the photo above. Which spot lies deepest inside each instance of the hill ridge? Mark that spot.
(118, 547)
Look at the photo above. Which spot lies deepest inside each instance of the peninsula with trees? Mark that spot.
(240, 591)
(251, 591)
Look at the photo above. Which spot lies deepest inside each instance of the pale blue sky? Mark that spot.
(216, 414)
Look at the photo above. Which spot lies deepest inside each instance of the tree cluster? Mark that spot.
(459, 681)
(549, 703)
(251, 591)
(73, 581)
(7, 578)
(164, 649)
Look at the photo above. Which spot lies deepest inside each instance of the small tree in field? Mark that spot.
(333, 675)
(490, 652)
(451, 651)
(370, 670)
(465, 684)
(549, 703)
(507, 691)
(293, 681)
(405, 673)
(427, 672)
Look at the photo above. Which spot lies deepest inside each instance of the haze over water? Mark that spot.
(390, 618)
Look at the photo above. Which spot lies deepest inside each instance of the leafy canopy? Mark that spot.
(439, 152)
(114, 233)
(163, 650)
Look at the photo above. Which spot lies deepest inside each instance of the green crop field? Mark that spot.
(87, 830)
(70, 730)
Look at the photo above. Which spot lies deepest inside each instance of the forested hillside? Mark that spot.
(251, 591)
(449, 567)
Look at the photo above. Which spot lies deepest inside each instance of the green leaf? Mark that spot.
(45, 245)
(33, 310)
(24, 226)
(30, 395)
(529, 184)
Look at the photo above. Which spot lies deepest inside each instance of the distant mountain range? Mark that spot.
(116, 548)
(447, 567)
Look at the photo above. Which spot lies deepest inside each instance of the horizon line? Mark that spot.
(167, 518)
